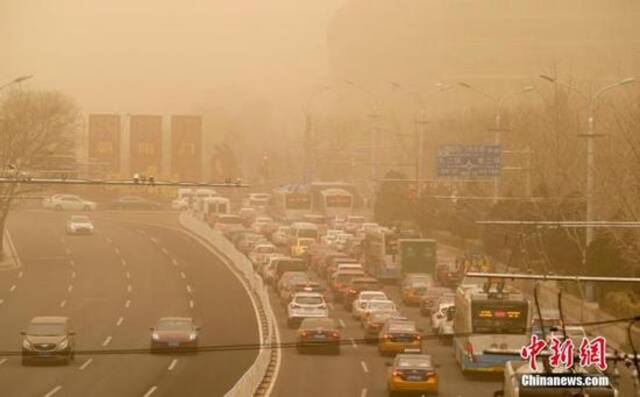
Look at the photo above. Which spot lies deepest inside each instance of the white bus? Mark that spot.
(336, 203)
(380, 253)
(488, 317)
(291, 205)
(201, 194)
(213, 206)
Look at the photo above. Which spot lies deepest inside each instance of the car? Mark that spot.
(445, 329)
(248, 215)
(68, 202)
(428, 300)
(281, 235)
(259, 252)
(302, 246)
(412, 278)
(375, 322)
(340, 281)
(357, 284)
(574, 332)
(287, 282)
(134, 203)
(413, 293)
(321, 334)
(412, 373)
(174, 334)
(228, 223)
(263, 225)
(280, 265)
(361, 300)
(306, 305)
(439, 316)
(353, 223)
(376, 306)
(48, 338)
(79, 224)
(399, 336)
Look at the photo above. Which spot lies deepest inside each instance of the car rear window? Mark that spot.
(309, 300)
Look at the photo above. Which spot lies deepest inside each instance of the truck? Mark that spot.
(417, 255)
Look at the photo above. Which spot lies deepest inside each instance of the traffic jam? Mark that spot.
(330, 270)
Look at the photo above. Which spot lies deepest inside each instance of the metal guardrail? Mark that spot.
(249, 383)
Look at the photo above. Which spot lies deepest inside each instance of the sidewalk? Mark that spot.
(9, 259)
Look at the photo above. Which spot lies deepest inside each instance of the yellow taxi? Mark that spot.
(413, 373)
(399, 336)
(412, 293)
(302, 246)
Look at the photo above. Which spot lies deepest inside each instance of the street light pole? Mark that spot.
(17, 80)
(499, 102)
(590, 136)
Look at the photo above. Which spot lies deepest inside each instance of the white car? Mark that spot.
(258, 253)
(376, 306)
(262, 224)
(306, 305)
(60, 202)
(360, 302)
(80, 224)
(440, 316)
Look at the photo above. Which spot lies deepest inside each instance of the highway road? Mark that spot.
(114, 285)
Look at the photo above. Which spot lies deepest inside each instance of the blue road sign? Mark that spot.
(469, 160)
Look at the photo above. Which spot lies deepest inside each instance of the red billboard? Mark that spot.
(145, 145)
(104, 144)
(186, 147)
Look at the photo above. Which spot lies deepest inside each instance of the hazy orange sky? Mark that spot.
(164, 56)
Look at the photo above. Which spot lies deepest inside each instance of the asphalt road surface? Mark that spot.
(114, 285)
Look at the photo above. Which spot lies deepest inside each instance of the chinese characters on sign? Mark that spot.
(469, 160)
(591, 352)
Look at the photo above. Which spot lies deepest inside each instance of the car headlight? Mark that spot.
(193, 336)
(26, 344)
(155, 336)
(63, 344)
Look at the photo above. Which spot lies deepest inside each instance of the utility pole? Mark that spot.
(421, 122)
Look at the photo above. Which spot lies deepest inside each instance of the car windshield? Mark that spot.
(371, 296)
(46, 329)
(381, 305)
(309, 300)
(313, 323)
(174, 325)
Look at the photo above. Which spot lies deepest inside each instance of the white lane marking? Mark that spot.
(109, 240)
(363, 393)
(353, 343)
(155, 240)
(129, 288)
(124, 263)
(67, 251)
(188, 288)
(342, 324)
(72, 262)
(117, 250)
(184, 276)
(330, 305)
(191, 304)
(20, 274)
(69, 288)
(13, 288)
(173, 364)
(120, 320)
(127, 304)
(4, 360)
(63, 303)
(164, 251)
(1, 301)
(151, 391)
(86, 364)
(128, 275)
(364, 366)
(107, 341)
(53, 391)
(73, 274)
(174, 261)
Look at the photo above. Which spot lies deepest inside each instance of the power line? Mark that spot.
(78, 181)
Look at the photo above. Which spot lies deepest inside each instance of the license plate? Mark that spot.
(414, 377)
(320, 336)
(174, 344)
(411, 350)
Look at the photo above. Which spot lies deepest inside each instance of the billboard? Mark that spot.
(186, 147)
(145, 144)
(104, 144)
(469, 160)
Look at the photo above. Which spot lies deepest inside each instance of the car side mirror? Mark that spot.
(151, 329)
(198, 328)
(498, 393)
(388, 364)
(23, 333)
(437, 366)
(72, 333)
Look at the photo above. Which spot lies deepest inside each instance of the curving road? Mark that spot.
(114, 285)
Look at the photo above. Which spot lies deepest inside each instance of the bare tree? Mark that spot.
(37, 134)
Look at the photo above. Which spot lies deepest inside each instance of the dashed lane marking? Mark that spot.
(86, 364)
(128, 275)
(164, 251)
(342, 324)
(13, 288)
(120, 320)
(4, 360)
(73, 274)
(150, 391)
(109, 240)
(363, 393)
(174, 262)
(70, 288)
(107, 341)
(72, 262)
(117, 250)
(188, 288)
(173, 364)
(184, 276)
(191, 304)
(1, 301)
(63, 303)
(67, 251)
(20, 274)
(129, 288)
(364, 367)
(124, 263)
(353, 343)
(155, 240)
(127, 304)
(53, 391)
